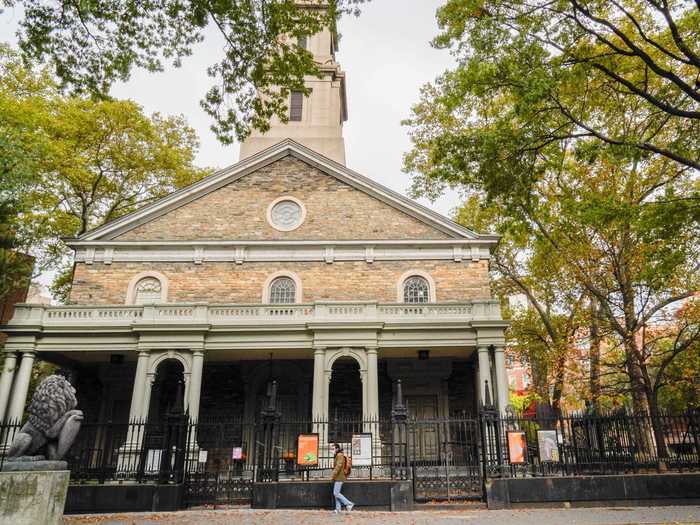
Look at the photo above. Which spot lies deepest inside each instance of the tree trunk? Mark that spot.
(594, 356)
(657, 426)
(639, 400)
(558, 390)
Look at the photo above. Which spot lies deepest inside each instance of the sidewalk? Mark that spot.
(244, 516)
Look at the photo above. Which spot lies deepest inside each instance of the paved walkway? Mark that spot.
(598, 516)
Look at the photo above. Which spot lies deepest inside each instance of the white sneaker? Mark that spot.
(350, 507)
(336, 511)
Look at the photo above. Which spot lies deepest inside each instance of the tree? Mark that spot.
(24, 95)
(542, 334)
(15, 267)
(579, 159)
(93, 44)
(540, 74)
(90, 161)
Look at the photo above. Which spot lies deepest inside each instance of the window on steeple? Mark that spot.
(296, 105)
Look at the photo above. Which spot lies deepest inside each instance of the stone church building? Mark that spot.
(287, 266)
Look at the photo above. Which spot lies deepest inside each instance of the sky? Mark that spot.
(386, 55)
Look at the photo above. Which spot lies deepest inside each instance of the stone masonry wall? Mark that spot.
(238, 211)
(226, 282)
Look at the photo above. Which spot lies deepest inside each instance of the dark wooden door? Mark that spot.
(423, 435)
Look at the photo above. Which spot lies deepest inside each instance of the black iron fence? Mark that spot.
(136, 451)
(446, 458)
(589, 444)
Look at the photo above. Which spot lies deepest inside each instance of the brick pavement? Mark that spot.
(244, 516)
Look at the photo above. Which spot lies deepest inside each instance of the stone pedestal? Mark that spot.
(33, 497)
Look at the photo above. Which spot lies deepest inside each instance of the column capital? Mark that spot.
(28, 353)
(371, 349)
(319, 349)
(144, 353)
(198, 353)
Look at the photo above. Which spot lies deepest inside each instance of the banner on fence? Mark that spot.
(361, 449)
(547, 444)
(153, 459)
(517, 445)
(203, 454)
(237, 453)
(307, 449)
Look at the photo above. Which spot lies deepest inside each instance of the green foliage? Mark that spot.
(91, 45)
(61, 286)
(74, 163)
(15, 267)
(533, 75)
(520, 403)
(575, 129)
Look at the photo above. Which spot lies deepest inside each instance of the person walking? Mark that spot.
(338, 477)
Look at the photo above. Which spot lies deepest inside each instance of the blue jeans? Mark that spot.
(339, 498)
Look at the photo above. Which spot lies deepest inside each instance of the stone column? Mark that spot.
(501, 379)
(128, 457)
(19, 392)
(150, 381)
(8, 374)
(373, 399)
(319, 404)
(365, 396)
(372, 383)
(484, 374)
(137, 410)
(195, 389)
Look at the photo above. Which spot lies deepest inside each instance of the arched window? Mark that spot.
(416, 290)
(148, 290)
(283, 290)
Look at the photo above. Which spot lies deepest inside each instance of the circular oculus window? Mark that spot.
(286, 214)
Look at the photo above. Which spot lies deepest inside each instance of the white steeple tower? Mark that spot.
(315, 121)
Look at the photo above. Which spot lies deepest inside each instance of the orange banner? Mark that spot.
(307, 449)
(517, 445)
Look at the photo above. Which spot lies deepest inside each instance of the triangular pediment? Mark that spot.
(213, 201)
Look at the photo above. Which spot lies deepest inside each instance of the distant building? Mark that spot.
(519, 375)
(19, 295)
(38, 294)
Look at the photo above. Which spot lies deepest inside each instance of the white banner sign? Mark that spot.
(361, 450)
(153, 458)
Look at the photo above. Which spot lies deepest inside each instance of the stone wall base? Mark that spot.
(383, 494)
(32, 497)
(126, 497)
(590, 491)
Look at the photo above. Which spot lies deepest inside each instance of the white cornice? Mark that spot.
(240, 252)
(263, 158)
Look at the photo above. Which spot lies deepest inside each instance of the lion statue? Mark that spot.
(53, 422)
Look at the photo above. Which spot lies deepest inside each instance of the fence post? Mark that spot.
(694, 430)
(399, 417)
(270, 418)
(490, 429)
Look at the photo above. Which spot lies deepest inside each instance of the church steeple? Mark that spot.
(316, 121)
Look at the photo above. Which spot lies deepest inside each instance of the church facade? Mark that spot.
(285, 267)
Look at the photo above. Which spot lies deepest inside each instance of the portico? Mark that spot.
(321, 335)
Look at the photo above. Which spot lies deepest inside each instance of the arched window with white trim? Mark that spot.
(283, 290)
(416, 290)
(148, 290)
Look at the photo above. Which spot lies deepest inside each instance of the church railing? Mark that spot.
(27, 315)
